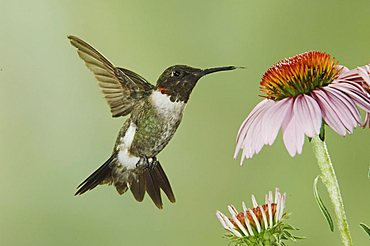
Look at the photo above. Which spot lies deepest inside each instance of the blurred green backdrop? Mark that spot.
(56, 127)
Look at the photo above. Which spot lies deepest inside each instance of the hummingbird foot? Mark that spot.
(147, 162)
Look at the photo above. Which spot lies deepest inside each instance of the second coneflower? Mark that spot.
(259, 225)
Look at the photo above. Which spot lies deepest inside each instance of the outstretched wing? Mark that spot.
(122, 88)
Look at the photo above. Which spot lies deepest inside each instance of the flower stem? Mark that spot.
(330, 181)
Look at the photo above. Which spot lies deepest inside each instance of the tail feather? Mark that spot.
(138, 188)
(121, 187)
(152, 187)
(163, 181)
(100, 176)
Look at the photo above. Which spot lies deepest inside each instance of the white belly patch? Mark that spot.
(124, 157)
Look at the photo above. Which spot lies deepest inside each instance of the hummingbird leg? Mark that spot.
(147, 162)
(153, 161)
(142, 163)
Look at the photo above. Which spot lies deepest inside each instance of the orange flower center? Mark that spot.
(299, 74)
(257, 211)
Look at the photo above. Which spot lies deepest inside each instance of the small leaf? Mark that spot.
(290, 227)
(321, 205)
(366, 228)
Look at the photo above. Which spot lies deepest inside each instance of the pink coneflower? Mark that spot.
(260, 224)
(302, 93)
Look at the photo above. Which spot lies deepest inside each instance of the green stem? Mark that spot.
(330, 181)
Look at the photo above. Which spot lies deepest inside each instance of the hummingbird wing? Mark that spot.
(121, 87)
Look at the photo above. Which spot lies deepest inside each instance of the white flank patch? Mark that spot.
(124, 157)
(127, 160)
(129, 135)
(164, 105)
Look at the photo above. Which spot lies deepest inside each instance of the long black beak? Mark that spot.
(218, 69)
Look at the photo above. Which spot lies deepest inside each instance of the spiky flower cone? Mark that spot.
(260, 225)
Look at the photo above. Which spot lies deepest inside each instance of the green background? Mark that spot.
(56, 128)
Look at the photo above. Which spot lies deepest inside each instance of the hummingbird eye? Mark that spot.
(176, 73)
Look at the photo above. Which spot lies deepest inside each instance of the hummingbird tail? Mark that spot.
(149, 178)
(152, 180)
(101, 176)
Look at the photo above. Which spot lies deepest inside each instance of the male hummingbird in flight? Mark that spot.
(155, 114)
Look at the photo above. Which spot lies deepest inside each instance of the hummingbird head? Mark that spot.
(179, 80)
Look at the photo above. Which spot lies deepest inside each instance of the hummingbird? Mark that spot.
(155, 112)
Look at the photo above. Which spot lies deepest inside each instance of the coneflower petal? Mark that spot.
(261, 106)
(293, 134)
(358, 75)
(364, 72)
(356, 94)
(345, 74)
(343, 70)
(329, 113)
(248, 224)
(240, 226)
(347, 102)
(277, 193)
(348, 121)
(226, 223)
(264, 217)
(244, 208)
(220, 216)
(231, 227)
(251, 127)
(270, 197)
(232, 210)
(269, 211)
(272, 120)
(366, 120)
(348, 106)
(366, 68)
(308, 114)
(254, 202)
(278, 207)
(257, 131)
(256, 222)
(283, 199)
